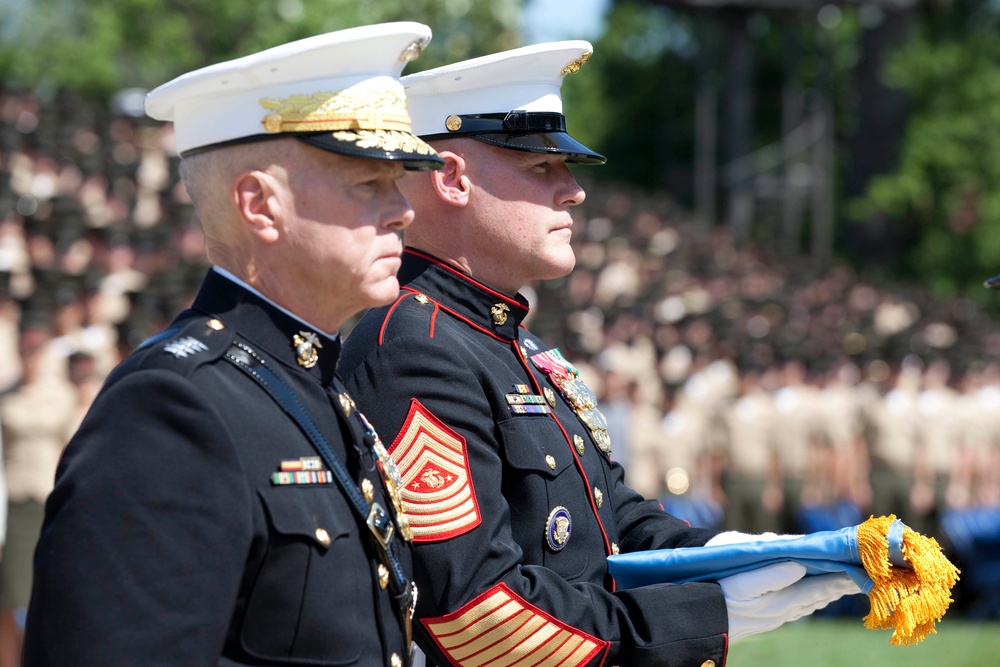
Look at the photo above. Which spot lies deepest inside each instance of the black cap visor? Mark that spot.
(532, 131)
(403, 147)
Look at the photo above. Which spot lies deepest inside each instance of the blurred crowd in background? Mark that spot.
(744, 389)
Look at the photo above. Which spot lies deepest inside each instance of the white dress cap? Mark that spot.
(511, 99)
(339, 91)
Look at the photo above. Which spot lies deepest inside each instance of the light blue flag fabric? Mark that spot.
(822, 552)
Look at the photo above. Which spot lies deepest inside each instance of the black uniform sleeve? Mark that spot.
(471, 573)
(145, 536)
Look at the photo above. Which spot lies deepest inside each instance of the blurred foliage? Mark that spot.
(634, 100)
(96, 47)
(947, 183)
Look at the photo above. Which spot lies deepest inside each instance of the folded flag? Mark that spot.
(906, 576)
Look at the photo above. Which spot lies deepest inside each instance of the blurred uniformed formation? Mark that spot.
(687, 334)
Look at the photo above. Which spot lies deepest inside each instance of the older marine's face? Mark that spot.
(343, 234)
(523, 201)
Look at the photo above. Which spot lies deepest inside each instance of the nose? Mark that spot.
(571, 194)
(399, 214)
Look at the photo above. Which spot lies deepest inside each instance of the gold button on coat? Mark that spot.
(708, 663)
(322, 536)
(598, 497)
(368, 489)
(551, 460)
(614, 548)
(395, 661)
(579, 444)
(383, 576)
(216, 325)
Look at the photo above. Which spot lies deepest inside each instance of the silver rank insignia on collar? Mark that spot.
(185, 347)
(306, 343)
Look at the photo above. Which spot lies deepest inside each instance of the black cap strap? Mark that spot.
(511, 122)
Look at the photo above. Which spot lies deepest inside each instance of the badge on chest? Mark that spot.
(565, 377)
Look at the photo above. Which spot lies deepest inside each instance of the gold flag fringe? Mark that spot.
(908, 601)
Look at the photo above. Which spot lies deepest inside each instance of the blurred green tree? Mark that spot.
(96, 47)
(946, 186)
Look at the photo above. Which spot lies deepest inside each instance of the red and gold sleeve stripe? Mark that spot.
(501, 629)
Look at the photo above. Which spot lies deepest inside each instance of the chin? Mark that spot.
(383, 293)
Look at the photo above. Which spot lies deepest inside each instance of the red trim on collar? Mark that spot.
(464, 276)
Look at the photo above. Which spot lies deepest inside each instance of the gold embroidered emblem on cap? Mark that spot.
(453, 123)
(341, 110)
(413, 51)
(574, 67)
(386, 140)
(216, 325)
(499, 313)
(306, 343)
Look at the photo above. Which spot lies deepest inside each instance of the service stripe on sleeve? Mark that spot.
(438, 495)
(501, 629)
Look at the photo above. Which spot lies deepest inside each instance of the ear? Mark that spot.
(451, 182)
(253, 194)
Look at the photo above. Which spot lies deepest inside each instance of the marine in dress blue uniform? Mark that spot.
(514, 510)
(194, 521)
(509, 482)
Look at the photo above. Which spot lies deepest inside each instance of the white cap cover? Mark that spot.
(339, 91)
(511, 99)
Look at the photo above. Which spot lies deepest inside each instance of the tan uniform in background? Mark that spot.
(753, 494)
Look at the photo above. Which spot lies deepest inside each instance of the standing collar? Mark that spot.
(266, 324)
(478, 304)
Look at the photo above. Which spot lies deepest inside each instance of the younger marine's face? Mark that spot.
(524, 223)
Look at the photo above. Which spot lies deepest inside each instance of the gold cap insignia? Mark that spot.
(306, 343)
(413, 51)
(499, 313)
(453, 123)
(339, 110)
(574, 67)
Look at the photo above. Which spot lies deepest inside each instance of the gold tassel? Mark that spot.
(908, 601)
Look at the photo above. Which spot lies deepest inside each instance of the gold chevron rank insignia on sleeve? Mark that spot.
(500, 628)
(437, 493)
